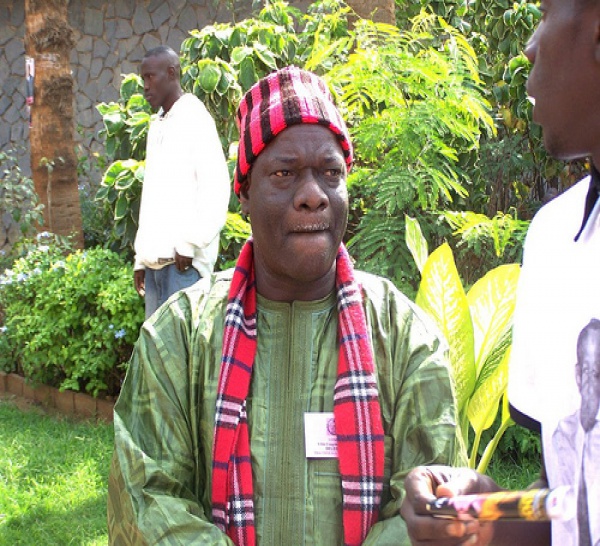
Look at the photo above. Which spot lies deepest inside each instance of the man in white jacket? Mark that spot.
(186, 186)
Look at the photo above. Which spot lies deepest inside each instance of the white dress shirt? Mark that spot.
(186, 189)
(558, 294)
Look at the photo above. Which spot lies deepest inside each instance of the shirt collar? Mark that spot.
(591, 198)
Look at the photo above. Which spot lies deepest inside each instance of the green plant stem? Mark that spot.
(491, 447)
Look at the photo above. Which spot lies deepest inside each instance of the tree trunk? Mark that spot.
(48, 41)
(380, 11)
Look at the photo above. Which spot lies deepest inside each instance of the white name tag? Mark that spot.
(319, 436)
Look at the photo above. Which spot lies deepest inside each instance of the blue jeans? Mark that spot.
(160, 284)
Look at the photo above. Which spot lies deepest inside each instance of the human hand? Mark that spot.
(423, 485)
(139, 276)
(182, 263)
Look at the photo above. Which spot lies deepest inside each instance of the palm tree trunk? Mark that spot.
(48, 41)
(381, 11)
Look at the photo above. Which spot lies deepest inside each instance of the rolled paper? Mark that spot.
(527, 505)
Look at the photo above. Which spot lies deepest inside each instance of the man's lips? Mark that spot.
(310, 228)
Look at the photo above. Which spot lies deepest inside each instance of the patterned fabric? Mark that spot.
(233, 508)
(284, 98)
(356, 409)
(159, 487)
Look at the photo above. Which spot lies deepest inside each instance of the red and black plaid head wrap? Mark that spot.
(287, 97)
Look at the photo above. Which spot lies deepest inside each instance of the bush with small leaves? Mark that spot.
(69, 320)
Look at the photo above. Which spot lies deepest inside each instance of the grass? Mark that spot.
(53, 476)
(514, 474)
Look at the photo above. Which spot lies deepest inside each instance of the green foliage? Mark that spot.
(484, 243)
(18, 201)
(478, 326)
(126, 121)
(96, 217)
(415, 103)
(234, 235)
(121, 191)
(222, 61)
(219, 63)
(69, 321)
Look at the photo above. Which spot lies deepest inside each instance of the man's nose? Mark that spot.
(310, 193)
(530, 50)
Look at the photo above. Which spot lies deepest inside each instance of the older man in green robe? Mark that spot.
(284, 401)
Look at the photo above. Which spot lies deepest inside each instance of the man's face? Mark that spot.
(158, 79)
(588, 377)
(297, 201)
(565, 78)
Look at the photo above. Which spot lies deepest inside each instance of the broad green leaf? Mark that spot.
(111, 145)
(240, 53)
(208, 75)
(505, 423)
(265, 56)
(494, 357)
(114, 121)
(102, 193)
(104, 108)
(137, 103)
(416, 243)
(483, 405)
(139, 171)
(121, 207)
(131, 85)
(248, 76)
(442, 295)
(115, 169)
(120, 227)
(124, 181)
(139, 118)
(226, 82)
(235, 39)
(136, 133)
(492, 303)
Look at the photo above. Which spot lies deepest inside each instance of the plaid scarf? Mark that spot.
(356, 410)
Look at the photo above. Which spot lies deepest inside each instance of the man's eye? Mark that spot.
(333, 172)
(282, 173)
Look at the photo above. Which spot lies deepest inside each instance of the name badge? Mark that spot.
(319, 435)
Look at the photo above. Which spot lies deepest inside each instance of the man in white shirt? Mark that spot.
(186, 186)
(558, 295)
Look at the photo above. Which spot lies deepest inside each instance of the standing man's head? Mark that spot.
(565, 78)
(293, 160)
(587, 373)
(161, 72)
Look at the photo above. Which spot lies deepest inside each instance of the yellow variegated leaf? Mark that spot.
(442, 296)
(483, 405)
(492, 303)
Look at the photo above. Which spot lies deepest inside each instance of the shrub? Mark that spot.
(69, 320)
(19, 205)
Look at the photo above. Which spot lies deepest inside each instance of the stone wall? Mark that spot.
(111, 39)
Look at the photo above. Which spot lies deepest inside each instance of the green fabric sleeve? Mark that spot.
(154, 468)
